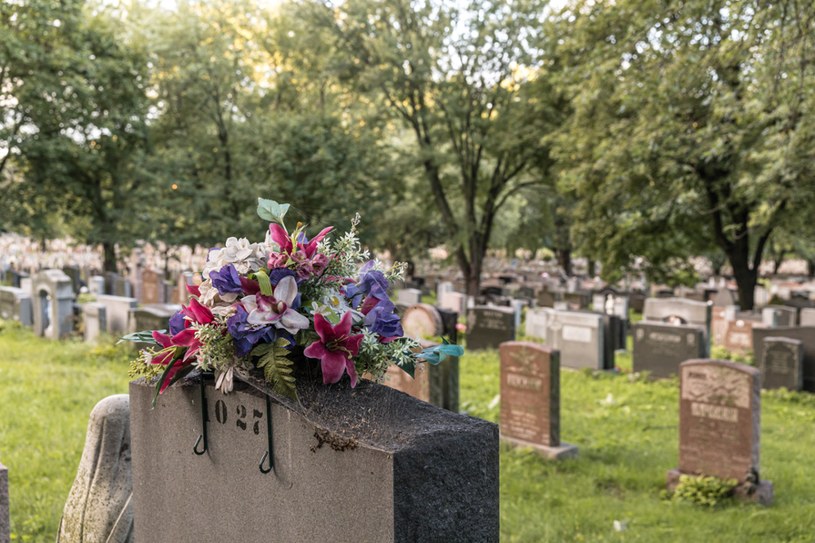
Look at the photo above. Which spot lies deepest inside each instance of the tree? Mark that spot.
(452, 76)
(79, 97)
(692, 128)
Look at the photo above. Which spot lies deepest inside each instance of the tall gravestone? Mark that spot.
(96, 285)
(782, 363)
(530, 398)
(660, 347)
(152, 287)
(536, 323)
(409, 296)
(5, 520)
(807, 317)
(489, 326)
(53, 299)
(387, 467)
(738, 337)
(779, 316)
(16, 305)
(99, 508)
(804, 334)
(720, 424)
(580, 339)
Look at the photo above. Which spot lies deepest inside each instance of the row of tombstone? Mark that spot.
(719, 415)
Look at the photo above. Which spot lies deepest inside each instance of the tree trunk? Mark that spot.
(746, 277)
(564, 260)
(811, 268)
(777, 261)
(592, 268)
(109, 252)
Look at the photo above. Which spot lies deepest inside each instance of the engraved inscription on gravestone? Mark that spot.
(488, 327)
(530, 398)
(719, 419)
(659, 348)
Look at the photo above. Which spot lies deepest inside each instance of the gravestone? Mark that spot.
(721, 317)
(547, 298)
(152, 287)
(52, 304)
(453, 301)
(442, 287)
(96, 285)
(5, 520)
(723, 298)
(680, 311)
(719, 425)
(536, 325)
(99, 505)
(409, 296)
(577, 299)
(422, 321)
(16, 305)
(580, 338)
(95, 320)
(636, 301)
(659, 348)
(805, 334)
(407, 464)
(153, 316)
(782, 363)
(530, 398)
(117, 313)
(739, 336)
(779, 316)
(488, 327)
(807, 317)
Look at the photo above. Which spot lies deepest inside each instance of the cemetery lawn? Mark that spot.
(47, 391)
(626, 431)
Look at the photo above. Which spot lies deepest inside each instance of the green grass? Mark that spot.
(47, 391)
(626, 430)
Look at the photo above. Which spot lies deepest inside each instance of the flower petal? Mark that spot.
(352, 372)
(316, 350)
(323, 328)
(344, 326)
(292, 321)
(286, 290)
(280, 237)
(333, 366)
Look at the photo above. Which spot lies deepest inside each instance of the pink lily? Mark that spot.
(197, 312)
(335, 349)
(185, 338)
(282, 238)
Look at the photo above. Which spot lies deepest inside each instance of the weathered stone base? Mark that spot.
(564, 450)
(761, 494)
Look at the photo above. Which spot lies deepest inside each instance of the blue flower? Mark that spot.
(371, 282)
(176, 323)
(227, 281)
(384, 321)
(246, 335)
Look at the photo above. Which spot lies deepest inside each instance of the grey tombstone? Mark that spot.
(96, 285)
(659, 348)
(53, 304)
(489, 326)
(779, 316)
(637, 301)
(117, 313)
(5, 520)
(16, 305)
(807, 317)
(408, 464)
(720, 424)
(680, 311)
(75, 274)
(530, 398)
(723, 298)
(547, 298)
(782, 363)
(95, 320)
(153, 316)
(99, 508)
(805, 334)
(117, 285)
(536, 325)
(580, 339)
(409, 296)
(453, 301)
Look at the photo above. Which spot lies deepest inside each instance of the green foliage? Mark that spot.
(278, 368)
(704, 491)
(271, 211)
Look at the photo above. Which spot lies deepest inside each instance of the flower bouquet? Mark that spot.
(268, 306)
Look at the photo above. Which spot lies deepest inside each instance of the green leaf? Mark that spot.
(145, 336)
(271, 211)
(409, 368)
(278, 370)
(263, 280)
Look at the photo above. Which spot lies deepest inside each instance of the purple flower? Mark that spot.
(277, 274)
(246, 335)
(177, 323)
(384, 321)
(227, 281)
(371, 282)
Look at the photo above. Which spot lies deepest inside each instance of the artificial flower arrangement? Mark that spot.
(269, 305)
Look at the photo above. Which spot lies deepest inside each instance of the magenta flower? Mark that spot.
(335, 349)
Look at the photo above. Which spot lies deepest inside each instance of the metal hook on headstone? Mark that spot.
(269, 454)
(203, 435)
